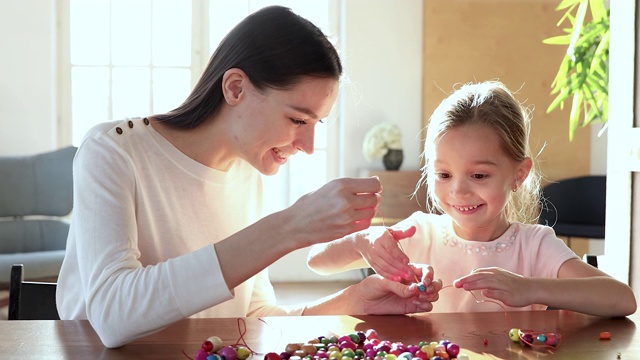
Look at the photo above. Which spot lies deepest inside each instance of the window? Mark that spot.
(121, 59)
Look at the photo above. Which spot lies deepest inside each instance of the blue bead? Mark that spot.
(421, 287)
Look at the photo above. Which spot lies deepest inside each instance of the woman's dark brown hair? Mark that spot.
(274, 47)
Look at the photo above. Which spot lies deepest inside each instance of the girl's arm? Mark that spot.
(579, 287)
(376, 247)
(337, 256)
(586, 289)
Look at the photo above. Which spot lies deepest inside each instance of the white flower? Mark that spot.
(380, 139)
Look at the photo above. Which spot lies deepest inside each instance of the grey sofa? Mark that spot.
(36, 199)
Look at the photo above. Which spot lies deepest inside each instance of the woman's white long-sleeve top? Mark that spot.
(140, 252)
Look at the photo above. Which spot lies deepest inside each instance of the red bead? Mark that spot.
(207, 346)
(485, 342)
(271, 356)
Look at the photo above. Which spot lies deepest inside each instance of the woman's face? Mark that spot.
(275, 124)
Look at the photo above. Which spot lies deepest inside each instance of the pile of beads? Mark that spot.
(535, 339)
(212, 349)
(366, 346)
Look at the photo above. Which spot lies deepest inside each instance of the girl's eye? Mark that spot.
(298, 121)
(479, 176)
(442, 176)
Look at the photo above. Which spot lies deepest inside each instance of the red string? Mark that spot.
(242, 332)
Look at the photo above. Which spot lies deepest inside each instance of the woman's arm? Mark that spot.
(341, 207)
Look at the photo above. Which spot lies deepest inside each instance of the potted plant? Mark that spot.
(384, 141)
(583, 75)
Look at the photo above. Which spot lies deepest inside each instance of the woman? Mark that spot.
(167, 216)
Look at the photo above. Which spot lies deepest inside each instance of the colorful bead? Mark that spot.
(514, 335)
(228, 353)
(207, 346)
(355, 346)
(605, 335)
(271, 356)
(421, 287)
(217, 343)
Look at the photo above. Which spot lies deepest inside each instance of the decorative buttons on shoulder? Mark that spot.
(146, 121)
(130, 124)
(119, 130)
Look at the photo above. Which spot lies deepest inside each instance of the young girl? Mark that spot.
(481, 178)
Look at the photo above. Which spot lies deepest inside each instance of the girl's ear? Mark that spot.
(234, 85)
(523, 171)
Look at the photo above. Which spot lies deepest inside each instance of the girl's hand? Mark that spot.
(498, 284)
(424, 275)
(339, 208)
(379, 247)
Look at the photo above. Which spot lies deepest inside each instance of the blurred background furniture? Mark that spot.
(575, 207)
(29, 300)
(397, 200)
(36, 194)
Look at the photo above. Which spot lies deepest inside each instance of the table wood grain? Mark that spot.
(580, 335)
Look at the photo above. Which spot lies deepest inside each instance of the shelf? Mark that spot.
(397, 201)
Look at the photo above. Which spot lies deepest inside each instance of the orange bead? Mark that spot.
(605, 335)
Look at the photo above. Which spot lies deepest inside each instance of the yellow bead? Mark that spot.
(514, 335)
(243, 353)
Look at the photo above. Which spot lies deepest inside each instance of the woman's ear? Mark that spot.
(234, 85)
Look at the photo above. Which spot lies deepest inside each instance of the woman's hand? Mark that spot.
(339, 208)
(498, 284)
(376, 295)
(380, 248)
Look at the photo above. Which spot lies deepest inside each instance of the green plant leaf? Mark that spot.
(583, 72)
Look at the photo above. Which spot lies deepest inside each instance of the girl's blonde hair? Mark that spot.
(490, 104)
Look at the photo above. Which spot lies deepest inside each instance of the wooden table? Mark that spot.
(580, 335)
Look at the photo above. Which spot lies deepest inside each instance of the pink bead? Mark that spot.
(453, 349)
(413, 349)
(344, 338)
(552, 340)
(228, 353)
(202, 355)
(348, 345)
(371, 334)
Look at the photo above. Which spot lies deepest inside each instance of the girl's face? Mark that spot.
(473, 178)
(276, 124)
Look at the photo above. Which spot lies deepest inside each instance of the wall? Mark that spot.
(27, 69)
(470, 40)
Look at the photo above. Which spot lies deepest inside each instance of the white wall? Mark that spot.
(27, 77)
(382, 54)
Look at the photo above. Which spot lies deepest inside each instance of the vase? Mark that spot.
(393, 159)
